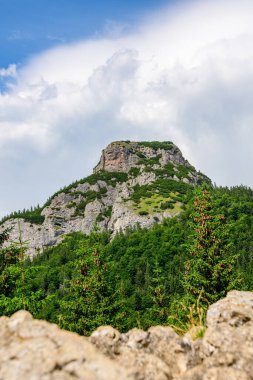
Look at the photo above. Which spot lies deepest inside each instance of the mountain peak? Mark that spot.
(121, 156)
(134, 183)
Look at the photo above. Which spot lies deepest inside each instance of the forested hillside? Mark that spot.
(138, 277)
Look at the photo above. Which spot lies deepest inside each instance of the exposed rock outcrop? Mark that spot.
(225, 351)
(123, 155)
(108, 199)
(37, 350)
(118, 156)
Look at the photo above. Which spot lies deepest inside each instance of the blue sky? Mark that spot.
(76, 75)
(29, 26)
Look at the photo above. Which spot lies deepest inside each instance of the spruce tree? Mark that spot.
(210, 268)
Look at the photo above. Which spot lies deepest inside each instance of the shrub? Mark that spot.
(142, 213)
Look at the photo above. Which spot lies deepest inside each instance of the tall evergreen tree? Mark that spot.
(210, 269)
(88, 304)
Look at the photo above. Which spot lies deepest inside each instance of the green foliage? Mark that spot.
(4, 235)
(167, 171)
(91, 304)
(156, 203)
(150, 161)
(33, 215)
(182, 172)
(166, 205)
(211, 267)
(111, 178)
(107, 212)
(90, 196)
(167, 145)
(143, 212)
(138, 278)
(161, 186)
(190, 316)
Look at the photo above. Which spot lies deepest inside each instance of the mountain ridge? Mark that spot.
(133, 183)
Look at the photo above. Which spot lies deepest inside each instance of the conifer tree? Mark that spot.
(4, 235)
(88, 305)
(210, 268)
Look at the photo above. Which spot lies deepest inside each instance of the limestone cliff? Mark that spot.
(37, 350)
(121, 156)
(133, 183)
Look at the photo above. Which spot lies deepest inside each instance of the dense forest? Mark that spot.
(140, 278)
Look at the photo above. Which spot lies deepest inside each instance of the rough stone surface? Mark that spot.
(225, 351)
(117, 157)
(76, 210)
(37, 350)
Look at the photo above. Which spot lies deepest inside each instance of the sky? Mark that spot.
(78, 74)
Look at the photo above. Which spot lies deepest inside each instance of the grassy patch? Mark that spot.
(163, 187)
(157, 203)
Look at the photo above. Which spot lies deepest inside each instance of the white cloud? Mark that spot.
(185, 75)
(9, 72)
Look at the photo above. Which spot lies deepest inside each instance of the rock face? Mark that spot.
(225, 351)
(127, 188)
(37, 350)
(123, 155)
(118, 156)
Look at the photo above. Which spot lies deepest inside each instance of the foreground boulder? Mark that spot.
(37, 350)
(225, 351)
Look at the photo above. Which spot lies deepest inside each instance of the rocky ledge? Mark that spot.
(37, 350)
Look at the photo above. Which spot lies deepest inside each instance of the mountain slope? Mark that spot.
(133, 183)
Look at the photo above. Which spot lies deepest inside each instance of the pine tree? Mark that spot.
(210, 269)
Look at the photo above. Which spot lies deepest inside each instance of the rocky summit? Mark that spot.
(133, 183)
(37, 350)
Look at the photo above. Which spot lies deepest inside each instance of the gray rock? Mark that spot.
(37, 350)
(75, 209)
(118, 156)
(31, 349)
(225, 352)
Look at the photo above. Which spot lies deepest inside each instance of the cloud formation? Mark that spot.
(185, 74)
(10, 71)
